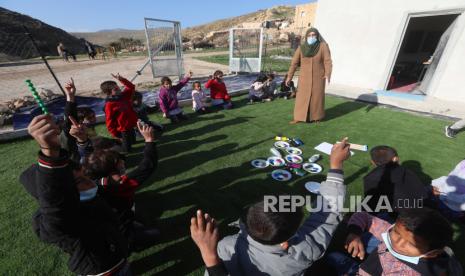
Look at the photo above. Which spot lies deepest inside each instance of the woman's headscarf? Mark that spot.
(310, 50)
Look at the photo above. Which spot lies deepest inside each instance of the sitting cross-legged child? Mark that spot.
(257, 90)
(218, 92)
(107, 168)
(199, 99)
(270, 86)
(273, 241)
(416, 244)
(168, 98)
(70, 213)
(121, 119)
(141, 111)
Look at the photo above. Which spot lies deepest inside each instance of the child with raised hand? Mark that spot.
(107, 168)
(121, 119)
(168, 97)
(198, 98)
(204, 233)
(273, 241)
(416, 244)
(270, 86)
(67, 141)
(257, 90)
(71, 215)
(218, 92)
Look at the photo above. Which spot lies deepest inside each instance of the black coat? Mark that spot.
(399, 184)
(87, 231)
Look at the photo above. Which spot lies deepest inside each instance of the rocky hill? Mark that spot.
(14, 44)
(104, 37)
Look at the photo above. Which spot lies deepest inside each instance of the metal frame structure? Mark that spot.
(245, 64)
(176, 37)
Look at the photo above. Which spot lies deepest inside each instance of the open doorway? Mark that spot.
(424, 40)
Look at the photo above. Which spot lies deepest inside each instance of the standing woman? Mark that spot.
(315, 63)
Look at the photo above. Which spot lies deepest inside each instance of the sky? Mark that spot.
(94, 15)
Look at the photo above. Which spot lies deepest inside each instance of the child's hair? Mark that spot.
(271, 227)
(166, 79)
(83, 113)
(104, 143)
(270, 76)
(196, 82)
(429, 225)
(137, 95)
(101, 163)
(217, 73)
(108, 86)
(381, 155)
(261, 78)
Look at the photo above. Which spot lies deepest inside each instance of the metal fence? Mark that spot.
(164, 47)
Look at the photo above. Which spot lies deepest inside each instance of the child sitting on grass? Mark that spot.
(70, 213)
(218, 92)
(107, 168)
(141, 110)
(390, 179)
(199, 99)
(257, 92)
(270, 86)
(416, 244)
(121, 119)
(168, 97)
(273, 241)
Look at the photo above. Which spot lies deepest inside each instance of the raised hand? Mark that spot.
(354, 246)
(339, 153)
(117, 76)
(146, 131)
(70, 90)
(44, 130)
(77, 130)
(205, 234)
(189, 74)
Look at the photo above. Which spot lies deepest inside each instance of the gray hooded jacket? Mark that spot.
(244, 256)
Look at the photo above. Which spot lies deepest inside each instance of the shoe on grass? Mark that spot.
(449, 132)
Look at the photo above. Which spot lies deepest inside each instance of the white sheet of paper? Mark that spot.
(326, 147)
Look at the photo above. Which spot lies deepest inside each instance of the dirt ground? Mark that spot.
(87, 74)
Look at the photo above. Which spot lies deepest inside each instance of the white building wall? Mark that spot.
(364, 36)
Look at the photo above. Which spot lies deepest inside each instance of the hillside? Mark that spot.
(14, 44)
(104, 37)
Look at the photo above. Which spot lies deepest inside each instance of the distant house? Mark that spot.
(305, 15)
(397, 46)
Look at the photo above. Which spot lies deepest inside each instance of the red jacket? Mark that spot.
(217, 89)
(119, 113)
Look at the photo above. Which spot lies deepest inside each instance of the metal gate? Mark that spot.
(245, 49)
(164, 47)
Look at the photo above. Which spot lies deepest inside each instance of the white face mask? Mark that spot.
(387, 240)
(311, 40)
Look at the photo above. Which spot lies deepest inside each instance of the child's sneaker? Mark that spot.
(449, 132)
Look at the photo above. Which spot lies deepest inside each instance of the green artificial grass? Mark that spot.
(205, 163)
